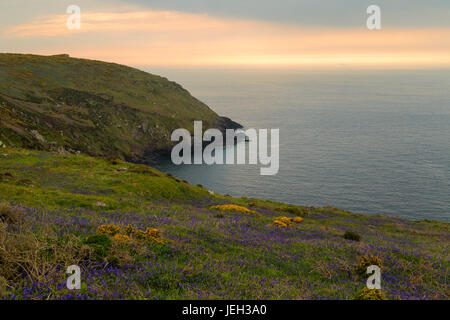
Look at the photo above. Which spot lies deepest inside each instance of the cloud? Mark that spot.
(138, 21)
(158, 37)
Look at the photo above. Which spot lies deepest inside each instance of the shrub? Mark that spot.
(279, 223)
(109, 229)
(123, 244)
(100, 243)
(114, 161)
(220, 215)
(37, 256)
(353, 236)
(294, 210)
(121, 238)
(124, 233)
(150, 234)
(286, 222)
(6, 177)
(143, 169)
(366, 261)
(370, 294)
(11, 215)
(3, 287)
(233, 208)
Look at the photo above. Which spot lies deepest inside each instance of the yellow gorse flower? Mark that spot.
(121, 237)
(286, 222)
(125, 233)
(109, 229)
(233, 207)
(280, 224)
(366, 261)
(370, 294)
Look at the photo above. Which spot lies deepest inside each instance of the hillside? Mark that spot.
(74, 105)
(137, 233)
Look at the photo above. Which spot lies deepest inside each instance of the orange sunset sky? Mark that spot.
(133, 33)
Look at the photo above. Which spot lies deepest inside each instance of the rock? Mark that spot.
(38, 136)
(63, 151)
(223, 123)
(100, 204)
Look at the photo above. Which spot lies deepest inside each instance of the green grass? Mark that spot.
(26, 75)
(236, 256)
(81, 181)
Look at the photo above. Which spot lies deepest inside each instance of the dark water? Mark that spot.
(366, 141)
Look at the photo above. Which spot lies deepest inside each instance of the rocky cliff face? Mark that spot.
(73, 105)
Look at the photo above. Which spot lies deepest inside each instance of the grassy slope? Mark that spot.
(237, 256)
(31, 75)
(91, 106)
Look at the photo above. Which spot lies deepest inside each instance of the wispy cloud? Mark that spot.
(138, 21)
(177, 38)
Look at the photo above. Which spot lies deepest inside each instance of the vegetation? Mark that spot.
(73, 105)
(294, 210)
(370, 294)
(366, 261)
(137, 233)
(350, 235)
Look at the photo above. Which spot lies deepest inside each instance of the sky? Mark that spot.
(251, 33)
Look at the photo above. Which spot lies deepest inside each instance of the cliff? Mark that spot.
(71, 105)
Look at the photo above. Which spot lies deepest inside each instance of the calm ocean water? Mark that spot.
(366, 141)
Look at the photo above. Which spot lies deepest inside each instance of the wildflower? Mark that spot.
(152, 232)
(154, 235)
(233, 207)
(280, 224)
(124, 233)
(366, 261)
(370, 294)
(121, 237)
(149, 234)
(297, 219)
(109, 229)
(286, 221)
(130, 230)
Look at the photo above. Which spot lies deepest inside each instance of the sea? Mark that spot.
(369, 141)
